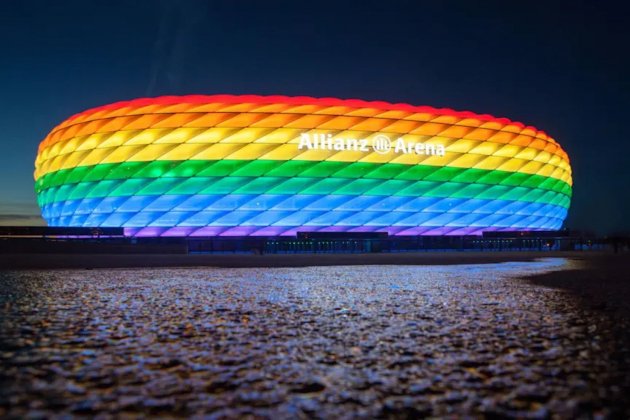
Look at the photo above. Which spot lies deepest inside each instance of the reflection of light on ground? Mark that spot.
(471, 338)
(336, 285)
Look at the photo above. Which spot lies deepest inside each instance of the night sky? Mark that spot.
(562, 67)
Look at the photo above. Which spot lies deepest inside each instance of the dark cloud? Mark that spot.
(172, 46)
(560, 66)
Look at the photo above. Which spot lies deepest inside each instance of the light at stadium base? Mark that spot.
(233, 166)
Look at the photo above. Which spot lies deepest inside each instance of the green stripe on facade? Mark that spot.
(295, 185)
(293, 168)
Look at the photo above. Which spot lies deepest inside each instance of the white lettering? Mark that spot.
(379, 144)
(305, 141)
(400, 146)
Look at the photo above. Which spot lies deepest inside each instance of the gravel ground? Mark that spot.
(329, 342)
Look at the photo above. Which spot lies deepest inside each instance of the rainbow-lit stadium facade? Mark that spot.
(228, 165)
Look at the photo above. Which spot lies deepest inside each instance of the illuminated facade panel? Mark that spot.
(275, 165)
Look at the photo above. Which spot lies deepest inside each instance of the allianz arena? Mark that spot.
(274, 165)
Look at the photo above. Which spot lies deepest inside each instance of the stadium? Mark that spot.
(224, 165)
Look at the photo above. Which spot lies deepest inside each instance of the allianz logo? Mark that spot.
(380, 144)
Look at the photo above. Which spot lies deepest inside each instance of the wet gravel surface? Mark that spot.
(329, 342)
